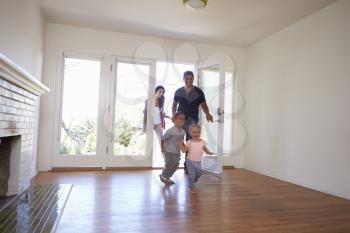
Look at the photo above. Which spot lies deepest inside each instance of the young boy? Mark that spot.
(170, 145)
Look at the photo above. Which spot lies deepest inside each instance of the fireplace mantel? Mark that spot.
(19, 97)
(16, 75)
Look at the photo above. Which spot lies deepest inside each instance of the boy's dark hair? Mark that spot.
(179, 113)
(188, 72)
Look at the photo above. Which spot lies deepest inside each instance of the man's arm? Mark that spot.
(205, 108)
(173, 109)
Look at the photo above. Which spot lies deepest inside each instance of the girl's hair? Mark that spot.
(194, 126)
(161, 99)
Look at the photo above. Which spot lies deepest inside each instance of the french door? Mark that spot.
(133, 82)
(215, 78)
(100, 112)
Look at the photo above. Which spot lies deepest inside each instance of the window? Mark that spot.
(79, 107)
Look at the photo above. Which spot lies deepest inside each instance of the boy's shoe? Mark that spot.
(163, 179)
(169, 181)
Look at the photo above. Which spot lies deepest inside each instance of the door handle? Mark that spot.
(220, 111)
(219, 121)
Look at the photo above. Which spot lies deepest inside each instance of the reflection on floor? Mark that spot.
(35, 210)
(241, 201)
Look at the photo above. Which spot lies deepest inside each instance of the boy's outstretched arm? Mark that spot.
(183, 147)
(207, 151)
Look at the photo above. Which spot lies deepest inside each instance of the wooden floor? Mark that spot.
(36, 210)
(242, 201)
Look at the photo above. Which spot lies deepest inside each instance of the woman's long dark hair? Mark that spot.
(161, 99)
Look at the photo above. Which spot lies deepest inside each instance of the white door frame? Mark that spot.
(77, 161)
(214, 164)
(103, 157)
(127, 160)
(105, 122)
(226, 65)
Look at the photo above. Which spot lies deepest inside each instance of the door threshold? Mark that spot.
(78, 169)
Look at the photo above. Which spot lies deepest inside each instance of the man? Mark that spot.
(187, 99)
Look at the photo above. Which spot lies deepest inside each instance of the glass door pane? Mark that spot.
(209, 82)
(132, 85)
(78, 133)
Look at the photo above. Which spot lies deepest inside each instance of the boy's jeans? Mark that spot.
(172, 162)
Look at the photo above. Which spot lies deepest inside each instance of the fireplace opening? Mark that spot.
(9, 164)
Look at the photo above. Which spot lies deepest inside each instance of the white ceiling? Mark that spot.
(228, 22)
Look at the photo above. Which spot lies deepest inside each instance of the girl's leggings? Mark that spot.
(194, 172)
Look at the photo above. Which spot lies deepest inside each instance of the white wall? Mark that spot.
(61, 38)
(21, 29)
(21, 40)
(298, 92)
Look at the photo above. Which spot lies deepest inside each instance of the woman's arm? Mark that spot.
(162, 115)
(166, 116)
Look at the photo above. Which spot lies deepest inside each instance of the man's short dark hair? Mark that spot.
(188, 72)
(178, 114)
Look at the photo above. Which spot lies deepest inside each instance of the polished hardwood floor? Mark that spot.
(241, 201)
(36, 210)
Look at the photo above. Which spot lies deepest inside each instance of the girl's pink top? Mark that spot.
(195, 150)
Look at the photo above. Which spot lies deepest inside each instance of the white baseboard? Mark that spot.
(296, 182)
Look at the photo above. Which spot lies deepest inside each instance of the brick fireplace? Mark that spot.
(19, 93)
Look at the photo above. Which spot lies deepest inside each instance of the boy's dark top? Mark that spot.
(189, 104)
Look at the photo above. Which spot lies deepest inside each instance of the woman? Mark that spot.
(159, 115)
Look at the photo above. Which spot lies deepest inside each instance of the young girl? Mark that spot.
(194, 148)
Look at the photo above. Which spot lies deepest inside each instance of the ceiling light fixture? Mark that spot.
(195, 4)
